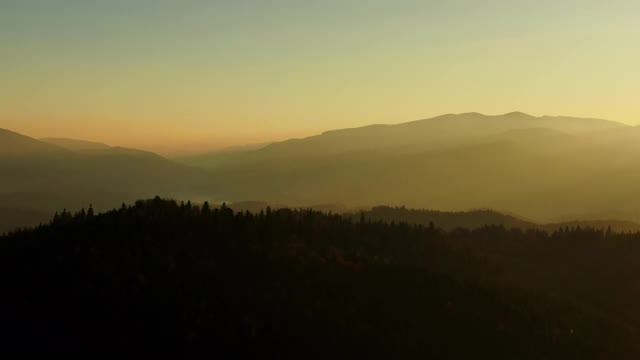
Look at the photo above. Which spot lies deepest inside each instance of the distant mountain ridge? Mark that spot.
(75, 144)
(440, 132)
(435, 132)
(543, 168)
(51, 174)
(13, 144)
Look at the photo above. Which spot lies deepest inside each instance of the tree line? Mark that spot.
(160, 277)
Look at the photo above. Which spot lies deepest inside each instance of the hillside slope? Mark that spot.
(41, 176)
(440, 132)
(75, 144)
(282, 284)
(548, 169)
(16, 145)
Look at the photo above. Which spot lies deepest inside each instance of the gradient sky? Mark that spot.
(192, 75)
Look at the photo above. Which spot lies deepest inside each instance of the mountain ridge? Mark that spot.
(439, 131)
(15, 144)
(75, 144)
(544, 168)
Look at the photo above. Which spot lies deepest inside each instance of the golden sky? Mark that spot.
(186, 76)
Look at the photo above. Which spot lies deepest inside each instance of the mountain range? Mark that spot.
(550, 169)
(52, 174)
(544, 168)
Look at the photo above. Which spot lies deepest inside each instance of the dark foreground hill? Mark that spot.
(159, 278)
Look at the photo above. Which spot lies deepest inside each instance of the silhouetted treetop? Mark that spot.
(162, 278)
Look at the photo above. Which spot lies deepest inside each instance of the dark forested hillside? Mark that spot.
(162, 278)
(445, 219)
(473, 219)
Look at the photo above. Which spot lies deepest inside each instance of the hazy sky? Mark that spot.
(189, 74)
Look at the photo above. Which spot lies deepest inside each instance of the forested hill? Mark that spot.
(162, 278)
(474, 219)
(448, 220)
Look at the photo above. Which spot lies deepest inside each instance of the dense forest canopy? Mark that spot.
(174, 278)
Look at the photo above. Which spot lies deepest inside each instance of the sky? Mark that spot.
(192, 75)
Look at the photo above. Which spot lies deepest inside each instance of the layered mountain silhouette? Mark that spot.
(431, 134)
(16, 145)
(549, 169)
(545, 168)
(44, 176)
(76, 145)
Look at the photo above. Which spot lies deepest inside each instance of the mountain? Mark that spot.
(16, 145)
(99, 149)
(215, 158)
(438, 133)
(75, 145)
(548, 169)
(545, 168)
(47, 176)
